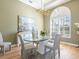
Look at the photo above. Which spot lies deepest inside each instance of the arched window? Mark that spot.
(60, 21)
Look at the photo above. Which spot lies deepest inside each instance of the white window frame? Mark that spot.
(66, 15)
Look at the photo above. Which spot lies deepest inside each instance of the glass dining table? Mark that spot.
(37, 41)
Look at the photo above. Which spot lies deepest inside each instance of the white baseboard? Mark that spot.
(67, 43)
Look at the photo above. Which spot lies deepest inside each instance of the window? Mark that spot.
(25, 23)
(60, 21)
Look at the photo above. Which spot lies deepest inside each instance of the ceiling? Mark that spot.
(47, 1)
(44, 4)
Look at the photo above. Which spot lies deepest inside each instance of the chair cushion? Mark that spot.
(51, 41)
(6, 45)
(50, 45)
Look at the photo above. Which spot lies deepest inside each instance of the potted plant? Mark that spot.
(42, 33)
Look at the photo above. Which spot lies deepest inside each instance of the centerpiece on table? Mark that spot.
(43, 34)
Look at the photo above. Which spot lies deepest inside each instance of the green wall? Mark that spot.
(9, 10)
(74, 7)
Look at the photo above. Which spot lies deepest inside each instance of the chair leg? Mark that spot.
(3, 50)
(54, 54)
(51, 54)
(9, 47)
(45, 50)
(22, 54)
(59, 52)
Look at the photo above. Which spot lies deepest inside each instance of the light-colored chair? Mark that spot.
(53, 35)
(54, 46)
(26, 49)
(4, 45)
(24, 36)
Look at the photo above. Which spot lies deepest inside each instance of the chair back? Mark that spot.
(1, 38)
(25, 36)
(53, 35)
(22, 42)
(57, 41)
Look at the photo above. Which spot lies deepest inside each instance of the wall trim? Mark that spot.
(67, 43)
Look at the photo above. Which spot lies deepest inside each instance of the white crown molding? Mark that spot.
(55, 3)
(52, 4)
